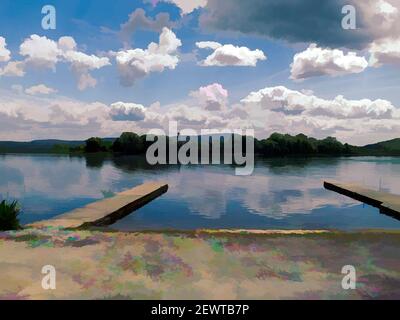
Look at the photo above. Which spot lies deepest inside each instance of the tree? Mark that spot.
(94, 145)
(130, 143)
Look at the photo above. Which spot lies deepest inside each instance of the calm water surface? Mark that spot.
(281, 193)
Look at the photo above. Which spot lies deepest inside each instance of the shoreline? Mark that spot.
(199, 264)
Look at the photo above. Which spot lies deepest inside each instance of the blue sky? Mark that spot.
(95, 27)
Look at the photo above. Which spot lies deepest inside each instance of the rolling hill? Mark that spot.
(41, 146)
(390, 147)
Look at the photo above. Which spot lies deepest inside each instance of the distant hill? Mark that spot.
(390, 147)
(276, 145)
(42, 146)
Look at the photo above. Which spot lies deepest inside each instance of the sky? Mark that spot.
(289, 66)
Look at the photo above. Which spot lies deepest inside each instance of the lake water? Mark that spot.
(281, 193)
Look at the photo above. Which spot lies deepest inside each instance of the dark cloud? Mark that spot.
(139, 20)
(294, 21)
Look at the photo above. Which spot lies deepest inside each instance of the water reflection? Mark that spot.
(280, 193)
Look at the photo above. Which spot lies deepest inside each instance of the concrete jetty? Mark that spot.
(387, 203)
(106, 211)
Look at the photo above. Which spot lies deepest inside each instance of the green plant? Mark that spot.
(9, 212)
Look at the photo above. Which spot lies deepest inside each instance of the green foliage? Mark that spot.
(95, 144)
(391, 147)
(9, 212)
(276, 145)
(284, 144)
(130, 143)
(78, 149)
(61, 148)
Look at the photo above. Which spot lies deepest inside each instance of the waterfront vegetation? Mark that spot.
(9, 212)
(276, 145)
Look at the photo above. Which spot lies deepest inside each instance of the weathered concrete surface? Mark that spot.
(107, 211)
(387, 203)
(199, 264)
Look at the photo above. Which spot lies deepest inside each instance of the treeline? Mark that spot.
(276, 145)
(285, 144)
(127, 143)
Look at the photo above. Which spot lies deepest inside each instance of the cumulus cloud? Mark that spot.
(122, 111)
(13, 69)
(290, 102)
(299, 21)
(41, 52)
(315, 61)
(279, 109)
(27, 117)
(40, 89)
(208, 45)
(212, 97)
(381, 18)
(5, 54)
(383, 22)
(230, 55)
(81, 63)
(386, 51)
(268, 110)
(135, 64)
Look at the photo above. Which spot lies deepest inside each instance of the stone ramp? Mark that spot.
(107, 211)
(386, 202)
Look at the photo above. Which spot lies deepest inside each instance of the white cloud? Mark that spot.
(208, 45)
(81, 63)
(380, 34)
(315, 61)
(212, 97)
(268, 110)
(66, 43)
(5, 54)
(27, 117)
(381, 18)
(230, 55)
(41, 52)
(386, 51)
(291, 102)
(137, 63)
(122, 111)
(40, 89)
(13, 69)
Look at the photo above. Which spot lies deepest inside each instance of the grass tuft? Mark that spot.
(9, 212)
